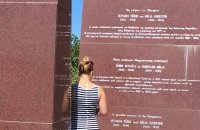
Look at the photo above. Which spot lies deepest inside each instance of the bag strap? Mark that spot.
(73, 87)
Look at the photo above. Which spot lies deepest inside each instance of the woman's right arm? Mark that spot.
(102, 102)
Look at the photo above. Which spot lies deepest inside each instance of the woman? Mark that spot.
(88, 99)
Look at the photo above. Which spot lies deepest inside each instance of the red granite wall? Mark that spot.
(146, 55)
(34, 49)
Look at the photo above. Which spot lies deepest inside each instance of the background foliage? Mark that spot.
(75, 58)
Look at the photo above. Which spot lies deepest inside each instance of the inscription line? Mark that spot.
(29, 2)
(99, 43)
(29, 122)
(159, 108)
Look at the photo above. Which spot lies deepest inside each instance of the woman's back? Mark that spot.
(85, 97)
(84, 104)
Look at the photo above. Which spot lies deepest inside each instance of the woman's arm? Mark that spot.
(66, 102)
(102, 102)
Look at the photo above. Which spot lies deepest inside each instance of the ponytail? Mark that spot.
(85, 66)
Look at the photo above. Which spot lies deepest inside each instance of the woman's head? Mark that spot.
(85, 66)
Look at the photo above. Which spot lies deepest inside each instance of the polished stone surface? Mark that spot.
(146, 56)
(34, 63)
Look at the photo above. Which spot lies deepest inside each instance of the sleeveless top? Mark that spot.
(83, 108)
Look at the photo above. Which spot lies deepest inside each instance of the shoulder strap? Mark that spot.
(73, 88)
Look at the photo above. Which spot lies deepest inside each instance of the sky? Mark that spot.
(77, 6)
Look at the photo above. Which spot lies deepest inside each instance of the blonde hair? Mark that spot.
(85, 66)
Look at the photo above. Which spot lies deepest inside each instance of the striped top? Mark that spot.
(83, 109)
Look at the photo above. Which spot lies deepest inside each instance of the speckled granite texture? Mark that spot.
(34, 63)
(146, 55)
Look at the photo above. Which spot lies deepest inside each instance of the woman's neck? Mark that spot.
(84, 78)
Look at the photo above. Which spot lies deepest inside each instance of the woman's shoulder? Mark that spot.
(97, 86)
(100, 89)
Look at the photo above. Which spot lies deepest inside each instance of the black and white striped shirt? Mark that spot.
(83, 109)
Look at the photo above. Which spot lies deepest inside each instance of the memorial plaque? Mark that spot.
(34, 63)
(146, 56)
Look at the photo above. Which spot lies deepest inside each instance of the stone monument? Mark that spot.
(146, 55)
(34, 63)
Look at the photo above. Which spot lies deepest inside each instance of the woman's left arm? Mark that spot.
(66, 102)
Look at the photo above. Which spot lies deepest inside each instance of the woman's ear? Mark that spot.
(91, 73)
